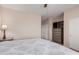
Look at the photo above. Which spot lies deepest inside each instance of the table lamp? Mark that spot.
(4, 27)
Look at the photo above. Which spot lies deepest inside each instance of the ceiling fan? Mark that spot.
(45, 5)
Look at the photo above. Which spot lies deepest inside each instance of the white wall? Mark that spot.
(20, 24)
(0, 22)
(68, 16)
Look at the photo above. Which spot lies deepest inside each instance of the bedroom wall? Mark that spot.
(0, 22)
(20, 24)
(50, 22)
(70, 14)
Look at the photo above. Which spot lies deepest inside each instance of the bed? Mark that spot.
(33, 47)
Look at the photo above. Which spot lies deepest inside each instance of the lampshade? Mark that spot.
(4, 26)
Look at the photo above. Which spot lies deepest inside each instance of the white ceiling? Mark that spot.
(51, 10)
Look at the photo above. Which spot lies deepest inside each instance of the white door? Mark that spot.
(44, 29)
(74, 33)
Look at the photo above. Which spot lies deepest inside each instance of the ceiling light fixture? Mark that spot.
(45, 5)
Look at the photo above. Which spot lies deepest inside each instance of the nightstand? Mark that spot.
(6, 40)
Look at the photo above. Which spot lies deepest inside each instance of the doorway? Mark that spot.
(58, 32)
(74, 34)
